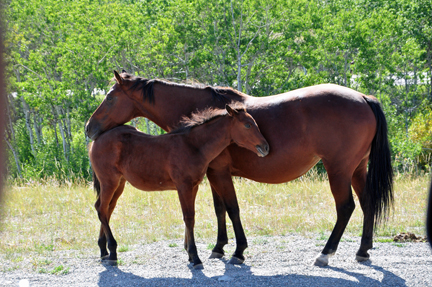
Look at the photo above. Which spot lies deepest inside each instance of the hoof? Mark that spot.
(198, 266)
(216, 255)
(235, 261)
(362, 258)
(105, 257)
(109, 262)
(322, 260)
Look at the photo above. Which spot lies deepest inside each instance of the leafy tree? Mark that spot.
(60, 59)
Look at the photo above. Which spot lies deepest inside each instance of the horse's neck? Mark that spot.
(213, 137)
(173, 102)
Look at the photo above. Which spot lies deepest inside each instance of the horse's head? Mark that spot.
(116, 109)
(245, 132)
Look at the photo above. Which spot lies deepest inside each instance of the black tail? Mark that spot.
(96, 184)
(429, 217)
(379, 182)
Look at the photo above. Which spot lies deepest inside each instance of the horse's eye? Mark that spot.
(109, 98)
(247, 126)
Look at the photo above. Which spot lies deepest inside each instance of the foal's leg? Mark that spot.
(109, 193)
(221, 182)
(102, 241)
(340, 185)
(187, 195)
(359, 185)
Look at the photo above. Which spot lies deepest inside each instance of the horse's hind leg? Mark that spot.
(359, 185)
(340, 185)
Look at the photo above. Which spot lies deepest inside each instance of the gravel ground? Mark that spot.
(270, 261)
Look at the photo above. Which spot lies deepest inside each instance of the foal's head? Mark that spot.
(245, 132)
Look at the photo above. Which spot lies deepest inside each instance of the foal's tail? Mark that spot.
(96, 184)
(379, 182)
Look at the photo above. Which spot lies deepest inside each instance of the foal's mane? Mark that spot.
(146, 87)
(202, 117)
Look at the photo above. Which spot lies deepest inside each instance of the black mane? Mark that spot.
(146, 87)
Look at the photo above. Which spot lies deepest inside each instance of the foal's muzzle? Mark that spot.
(263, 150)
(91, 131)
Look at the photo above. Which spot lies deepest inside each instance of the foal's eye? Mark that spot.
(247, 126)
(109, 98)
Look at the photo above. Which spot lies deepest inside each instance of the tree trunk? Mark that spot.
(87, 145)
(12, 141)
(69, 130)
(27, 122)
(16, 157)
(58, 122)
(429, 61)
(238, 46)
(37, 127)
(62, 133)
(345, 69)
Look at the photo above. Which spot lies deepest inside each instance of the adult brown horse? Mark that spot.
(344, 128)
(177, 160)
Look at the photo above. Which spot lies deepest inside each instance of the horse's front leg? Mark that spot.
(187, 197)
(222, 236)
(221, 182)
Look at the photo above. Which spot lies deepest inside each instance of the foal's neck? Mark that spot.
(212, 137)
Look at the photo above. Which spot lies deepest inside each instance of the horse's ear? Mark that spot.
(119, 79)
(124, 71)
(230, 111)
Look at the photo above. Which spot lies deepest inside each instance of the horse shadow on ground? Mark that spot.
(389, 278)
(243, 276)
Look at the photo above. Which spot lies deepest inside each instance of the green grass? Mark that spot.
(123, 248)
(42, 218)
(383, 240)
(58, 270)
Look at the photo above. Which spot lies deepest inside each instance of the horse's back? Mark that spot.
(314, 115)
(327, 122)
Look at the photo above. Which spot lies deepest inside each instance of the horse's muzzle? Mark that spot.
(263, 150)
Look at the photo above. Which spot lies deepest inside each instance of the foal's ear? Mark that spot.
(124, 71)
(119, 79)
(230, 111)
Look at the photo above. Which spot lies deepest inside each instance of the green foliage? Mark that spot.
(59, 56)
(420, 132)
